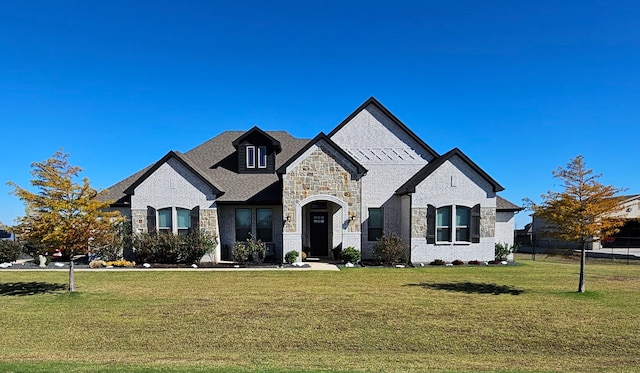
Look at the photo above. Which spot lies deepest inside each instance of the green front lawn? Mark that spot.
(513, 318)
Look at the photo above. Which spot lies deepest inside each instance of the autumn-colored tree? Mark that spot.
(584, 211)
(63, 214)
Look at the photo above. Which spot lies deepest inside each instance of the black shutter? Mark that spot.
(195, 218)
(151, 219)
(475, 224)
(431, 224)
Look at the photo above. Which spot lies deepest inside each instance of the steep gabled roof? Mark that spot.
(322, 137)
(394, 119)
(256, 130)
(185, 162)
(410, 186)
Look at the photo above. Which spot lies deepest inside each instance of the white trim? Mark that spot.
(302, 157)
(250, 160)
(453, 208)
(321, 197)
(262, 155)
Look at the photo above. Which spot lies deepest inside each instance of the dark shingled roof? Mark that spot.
(217, 161)
(504, 205)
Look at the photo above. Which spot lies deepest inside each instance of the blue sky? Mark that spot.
(520, 87)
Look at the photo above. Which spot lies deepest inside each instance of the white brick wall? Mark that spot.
(172, 185)
(453, 183)
(363, 137)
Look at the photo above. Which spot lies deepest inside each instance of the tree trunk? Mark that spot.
(583, 256)
(72, 279)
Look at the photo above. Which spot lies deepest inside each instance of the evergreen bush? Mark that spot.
(351, 255)
(291, 256)
(9, 251)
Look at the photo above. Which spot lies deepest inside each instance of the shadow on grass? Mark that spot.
(471, 288)
(29, 288)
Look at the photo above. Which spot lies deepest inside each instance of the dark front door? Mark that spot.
(319, 236)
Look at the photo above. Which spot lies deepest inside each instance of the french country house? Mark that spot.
(369, 176)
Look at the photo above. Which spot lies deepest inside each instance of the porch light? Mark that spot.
(288, 218)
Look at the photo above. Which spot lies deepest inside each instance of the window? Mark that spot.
(165, 221)
(251, 156)
(264, 225)
(461, 225)
(463, 221)
(375, 224)
(184, 221)
(262, 157)
(243, 224)
(443, 224)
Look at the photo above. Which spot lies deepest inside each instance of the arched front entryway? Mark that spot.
(323, 219)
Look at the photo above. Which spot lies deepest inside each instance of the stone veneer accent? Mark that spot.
(209, 221)
(321, 172)
(139, 220)
(418, 222)
(487, 222)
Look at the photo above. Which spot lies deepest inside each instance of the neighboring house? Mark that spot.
(628, 235)
(5, 234)
(369, 176)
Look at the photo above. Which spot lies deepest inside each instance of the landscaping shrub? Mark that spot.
(97, 264)
(351, 255)
(245, 251)
(173, 249)
(9, 251)
(197, 244)
(291, 256)
(502, 250)
(119, 240)
(121, 263)
(457, 262)
(438, 262)
(474, 263)
(390, 249)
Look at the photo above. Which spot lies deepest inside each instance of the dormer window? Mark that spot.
(256, 152)
(251, 156)
(262, 157)
(259, 158)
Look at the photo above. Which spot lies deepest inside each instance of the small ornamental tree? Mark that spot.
(63, 214)
(583, 211)
(390, 249)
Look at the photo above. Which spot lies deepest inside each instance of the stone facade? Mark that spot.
(418, 222)
(487, 222)
(323, 172)
(209, 221)
(139, 220)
